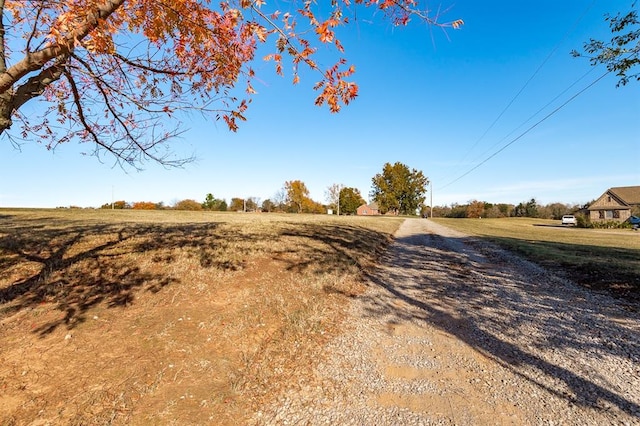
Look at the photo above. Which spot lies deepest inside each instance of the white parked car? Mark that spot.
(569, 219)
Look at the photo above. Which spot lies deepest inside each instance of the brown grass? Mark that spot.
(135, 317)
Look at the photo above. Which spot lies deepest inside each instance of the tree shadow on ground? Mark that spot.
(77, 265)
(478, 299)
(331, 248)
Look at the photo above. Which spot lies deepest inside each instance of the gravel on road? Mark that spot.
(453, 330)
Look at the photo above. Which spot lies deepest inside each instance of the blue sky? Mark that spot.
(432, 100)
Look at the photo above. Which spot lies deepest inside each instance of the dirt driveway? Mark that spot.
(454, 331)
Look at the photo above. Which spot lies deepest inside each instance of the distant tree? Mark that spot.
(475, 209)
(297, 194)
(505, 209)
(520, 210)
(399, 189)
(253, 203)
(188, 204)
(554, 211)
(332, 196)
(621, 54)
(311, 206)
(280, 200)
(237, 205)
(117, 205)
(212, 203)
(491, 211)
(457, 210)
(208, 202)
(528, 209)
(440, 211)
(143, 205)
(350, 200)
(268, 206)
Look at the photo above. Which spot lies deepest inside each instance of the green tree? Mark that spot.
(399, 189)
(350, 200)
(214, 204)
(208, 202)
(297, 194)
(621, 53)
(528, 209)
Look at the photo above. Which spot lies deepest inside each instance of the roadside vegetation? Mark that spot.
(144, 317)
(600, 259)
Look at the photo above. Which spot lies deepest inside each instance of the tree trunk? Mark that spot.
(6, 110)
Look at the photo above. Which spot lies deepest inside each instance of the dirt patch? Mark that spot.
(191, 352)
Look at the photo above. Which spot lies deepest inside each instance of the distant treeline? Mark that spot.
(484, 209)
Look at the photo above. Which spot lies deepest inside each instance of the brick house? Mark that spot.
(368, 210)
(615, 204)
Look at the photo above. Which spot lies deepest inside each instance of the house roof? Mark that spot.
(372, 206)
(628, 194)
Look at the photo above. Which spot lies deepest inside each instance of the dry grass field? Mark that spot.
(161, 317)
(605, 260)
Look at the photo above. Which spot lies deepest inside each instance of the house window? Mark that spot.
(608, 214)
(609, 199)
(616, 214)
(601, 214)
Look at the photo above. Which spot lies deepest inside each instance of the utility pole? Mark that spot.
(112, 202)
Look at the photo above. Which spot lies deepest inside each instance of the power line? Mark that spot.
(526, 131)
(592, 69)
(553, 51)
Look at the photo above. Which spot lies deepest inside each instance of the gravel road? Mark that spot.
(455, 331)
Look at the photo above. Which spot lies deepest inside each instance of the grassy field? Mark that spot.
(134, 317)
(600, 259)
